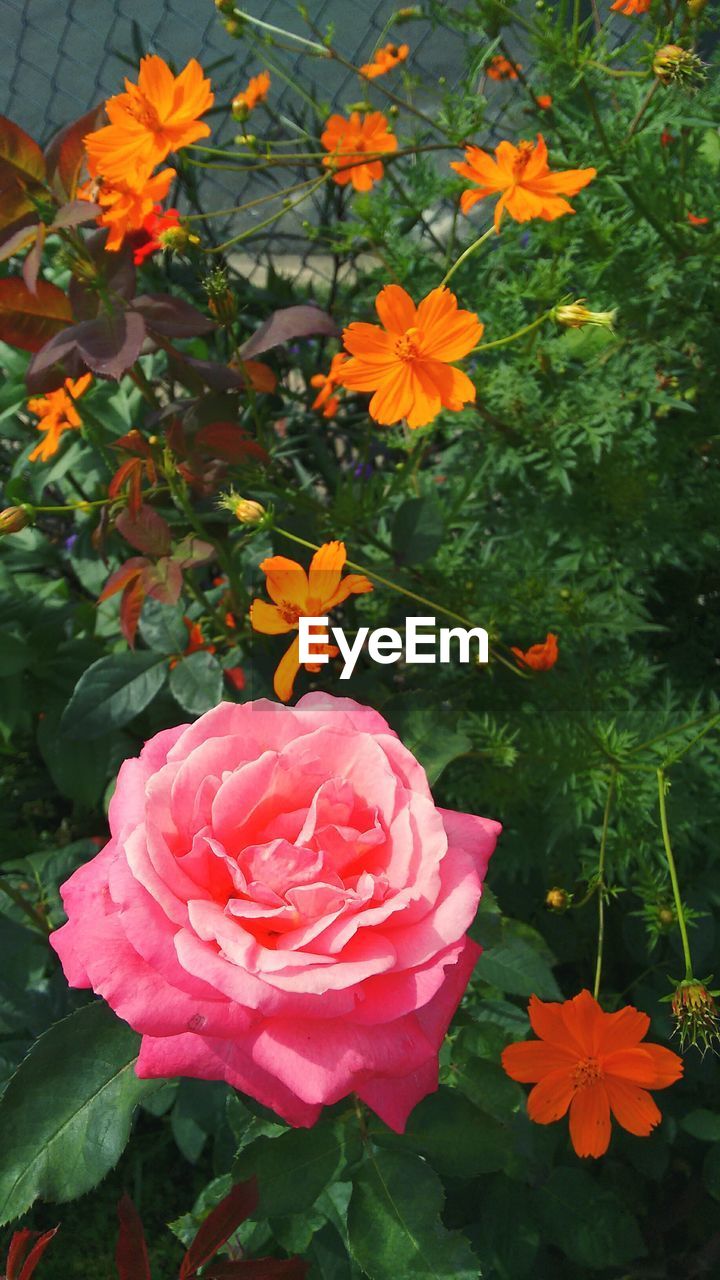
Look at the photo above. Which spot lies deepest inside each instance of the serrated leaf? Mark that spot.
(287, 325)
(589, 1224)
(453, 1135)
(196, 682)
(415, 720)
(66, 1113)
(111, 692)
(394, 1224)
(162, 627)
(516, 967)
(28, 319)
(292, 1169)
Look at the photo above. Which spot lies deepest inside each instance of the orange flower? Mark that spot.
(327, 382)
(353, 139)
(126, 209)
(150, 119)
(541, 657)
(196, 641)
(695, 221)
(629, 7)
(384, 60)
(256, 92)
(593, 1063)
(544, 101)
(57, 414)
(298, 594)
(407, 363)
(522, 178)
(500, 68)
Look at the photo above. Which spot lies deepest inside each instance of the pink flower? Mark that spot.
(282, 906)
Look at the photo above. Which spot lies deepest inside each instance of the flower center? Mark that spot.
(588, 1071)
(145, 114)
(524, 152)
(408, 346)
(290, 612)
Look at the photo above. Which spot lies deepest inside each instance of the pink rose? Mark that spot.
(282, 906)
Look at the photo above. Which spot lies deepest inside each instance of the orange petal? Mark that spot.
(590, 1120)
(532, 1060)
(353, 584)
(649, 1065)
(394, 397)
(550, 1098)
(325, 568)
(623, 1030)
(286, 581)
(287, 670)
(369, 343)
(396, 309)
(268, 619)
(566, 183)
(448, 332)
(583, 1018)
(632, 1107)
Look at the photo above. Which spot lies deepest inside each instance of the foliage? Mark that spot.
(576, 495)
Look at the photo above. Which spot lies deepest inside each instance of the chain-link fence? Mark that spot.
(62, 59)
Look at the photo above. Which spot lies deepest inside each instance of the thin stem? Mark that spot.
(682, 926)
(642, 109)
(291, 204)
(278, 31)
(34, 914)
(466, 253)
(519, 333)
(601, 886)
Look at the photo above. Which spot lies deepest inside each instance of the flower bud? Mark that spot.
(177, 238)
(407, 13)
(557, 900)
(696, 1015)
(13, 519)
(575, 315)
(240, 108)
(248, 511)
(674, 65)
(695, 8)
(225, 6)
(234, 27)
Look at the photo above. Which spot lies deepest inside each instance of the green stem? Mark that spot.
(662, 788)
(278, 31)
(519, 333)
(38, 920)
(601, 886)
(466, 253)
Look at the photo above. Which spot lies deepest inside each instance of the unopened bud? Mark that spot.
(575, 315)
(177, 238)
(407, 13)
(673, 65)
(696, 1015)
(240, 108)
(557, 899)
(13, 519)
(248, 511)
(234, 27)
(225, 6)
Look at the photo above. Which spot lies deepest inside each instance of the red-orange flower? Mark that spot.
(255, 92)
(544, 101)
(299, 594)
(352, 140)
(500, 68)
(57, 414)
(327, 384)
(384, 60)
(150, 119)
(408, 362)
(157, 222)
(629, 7)
(541, 657)
(196, 641)
(126, 209)
(521, 177)
(695, 221)
(594, 1064)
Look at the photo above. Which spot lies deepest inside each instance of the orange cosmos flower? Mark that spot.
(544, 101)
(384, 60)
(695, 221)
(126, 209)
(350, 140)
(255, 92)
(408, 362)
(500, 68)
(327, 383)
(541, 657)
(299, 594)
(150, 119)
(522, 178)
(57, 414)
(592, 1063)
(629, 7)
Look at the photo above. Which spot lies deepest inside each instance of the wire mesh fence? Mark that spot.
(65, 58)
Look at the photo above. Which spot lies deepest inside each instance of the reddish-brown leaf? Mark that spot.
(131, 607)
(56, 360)
(20, 1263)
(111, 343)
(163, 581)
(227, 440)
(287, 325)
(15, 238)
(131, 1255)
(147, 531)
(219, 1225)
(171, 317)
(22, 163)
(193, 551)
(27, 319)
(65, 152)
(31, 265)
(74, 213)
(122, 576)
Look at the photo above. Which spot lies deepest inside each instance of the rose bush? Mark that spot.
(282, 906)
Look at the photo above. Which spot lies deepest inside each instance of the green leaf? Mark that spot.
(455, 1137)
(704, 1125)
(15, 654)
(416, 720)
(394, 1223)
(196, 682)
(111, 692)
(162, 627)
(711, 1172)
(518, 966)
(292, 1169)
(417, 531)
(591, 1225)
(78, 769)
(66, 1114)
